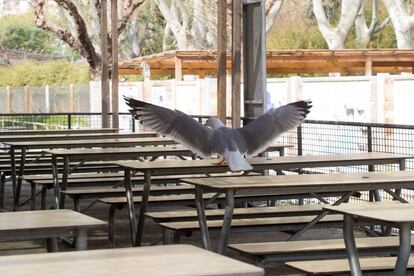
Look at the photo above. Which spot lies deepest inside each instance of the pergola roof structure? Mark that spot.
(202, 63)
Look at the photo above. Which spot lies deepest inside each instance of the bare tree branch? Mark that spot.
(66, 36)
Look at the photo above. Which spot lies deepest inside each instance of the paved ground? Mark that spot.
(98, 239)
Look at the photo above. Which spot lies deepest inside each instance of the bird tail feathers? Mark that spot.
(236, 161)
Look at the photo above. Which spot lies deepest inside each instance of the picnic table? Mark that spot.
(72, 136)
(57, 131)
(25, 146)
(47, 224)
(391, 214)
(178, 260)
(347, 183)
(84, 155)
(104, 154)
(259, 164)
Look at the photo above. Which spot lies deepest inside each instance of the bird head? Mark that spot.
(214, 123)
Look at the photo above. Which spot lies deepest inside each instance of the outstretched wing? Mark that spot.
(174, 124)
(256, 136)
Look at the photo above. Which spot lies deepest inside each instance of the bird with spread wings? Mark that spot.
(214, 137)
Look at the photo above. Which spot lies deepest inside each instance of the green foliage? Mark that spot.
(39, 74)
(20, 33)
(27, 38)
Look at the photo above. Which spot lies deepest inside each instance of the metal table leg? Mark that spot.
(52, 245)
(20, 178)
(228, 215)
(56, 187)
(405, 249)
(143, 208)
(81, 239)
(351, 249)
(130, 202)
(13, 171)
(64, 184)
(202, 220)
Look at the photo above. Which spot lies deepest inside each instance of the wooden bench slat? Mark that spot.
(193, 225)
(257, 211)
(311, 246)
(339, 266)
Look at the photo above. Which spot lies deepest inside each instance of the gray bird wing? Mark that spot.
(174, 124)
(256, 136)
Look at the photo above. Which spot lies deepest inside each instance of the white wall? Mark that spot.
(383, 98)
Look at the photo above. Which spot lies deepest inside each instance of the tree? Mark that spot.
(365, 33)
(27, 39)
(192, 24)
(403, 21)
(81, 40)
(336, 36)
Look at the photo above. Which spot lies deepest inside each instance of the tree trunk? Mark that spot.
(402, 21)
(336, 36)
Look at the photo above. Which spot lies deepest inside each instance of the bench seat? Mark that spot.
(214, 214)
(341, 266)
(314, 249)
(177, 229)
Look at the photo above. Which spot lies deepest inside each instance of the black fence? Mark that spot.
(310, 138)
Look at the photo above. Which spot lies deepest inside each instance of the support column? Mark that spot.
(222, 59)
(236, 63)
(114, 73)
(254, 57)
(105, 105)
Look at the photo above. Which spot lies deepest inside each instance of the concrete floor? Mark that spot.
(153, 235)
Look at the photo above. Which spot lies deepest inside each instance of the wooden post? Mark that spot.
(236, 63)
(71, 98)
(222, 58)
(115, 96)
(104, 53)
(9, 99)
(368, 66)
(178, 69)
(26, 99)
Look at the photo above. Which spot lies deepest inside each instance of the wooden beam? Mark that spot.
(368, 66)
(178, 69)
(236, 61)
(114, 75)
(221, 59)
(105, 78)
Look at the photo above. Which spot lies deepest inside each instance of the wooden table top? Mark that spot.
(57, 131)
(94, 143)
(131, 150)
(154, 260)
(127, 150)
(388, 212)
(311, 182)
(72, 136)
(284, 162)
(46, 220)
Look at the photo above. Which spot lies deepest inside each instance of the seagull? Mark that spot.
(214, 137)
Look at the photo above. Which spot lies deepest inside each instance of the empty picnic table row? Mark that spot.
(17, 171)
(57, 131)
(72, 136)
(395, 214)
(348, 184)
(84, 155)
(259, 164)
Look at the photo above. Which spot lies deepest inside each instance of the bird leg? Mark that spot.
(220, 161)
